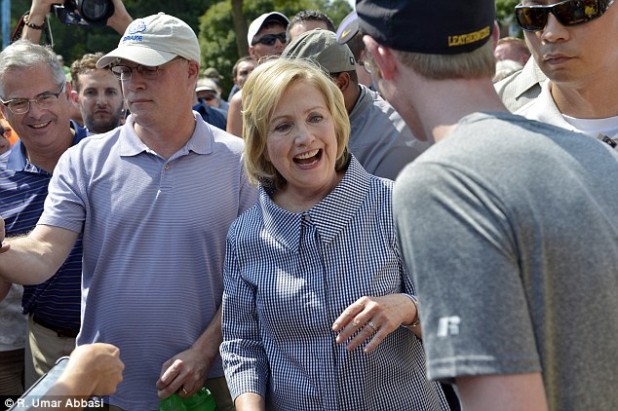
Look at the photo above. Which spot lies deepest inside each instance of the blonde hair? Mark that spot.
(474, 64)
(260, 95)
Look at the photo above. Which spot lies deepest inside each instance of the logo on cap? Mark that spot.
(134, 30)
(463, 39)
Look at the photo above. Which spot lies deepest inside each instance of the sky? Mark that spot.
(352, 3)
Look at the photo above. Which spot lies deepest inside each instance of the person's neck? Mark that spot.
(441, 104)
(167, 137)
(590, 101)
(352, 95)
(47, 157)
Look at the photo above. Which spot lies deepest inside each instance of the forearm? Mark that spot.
(36, 17)
(250, 401)
(516, 392)
(5, 287)
(208, 343)
(121, 18)
(34, 258)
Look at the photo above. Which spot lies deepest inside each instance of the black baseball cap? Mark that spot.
(431, 27)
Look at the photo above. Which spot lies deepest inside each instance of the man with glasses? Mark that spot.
(35, 101)
(266, 37)
(572, 43)
(507, 225)
(154, 199)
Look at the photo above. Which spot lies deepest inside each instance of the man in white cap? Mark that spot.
(153, 200)
(266, 37)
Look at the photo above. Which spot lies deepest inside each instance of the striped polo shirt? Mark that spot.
(154, 233)
(23, 189)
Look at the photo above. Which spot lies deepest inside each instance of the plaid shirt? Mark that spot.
(288, 276)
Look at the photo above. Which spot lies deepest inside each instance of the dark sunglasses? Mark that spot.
(568, 13)
(270, 39)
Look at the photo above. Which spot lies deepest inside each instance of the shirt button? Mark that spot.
(307, 217)
(167, 167)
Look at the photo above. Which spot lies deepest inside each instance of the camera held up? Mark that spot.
(84, 12)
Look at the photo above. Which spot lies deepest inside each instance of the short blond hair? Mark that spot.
(260, 96)
(474, 64)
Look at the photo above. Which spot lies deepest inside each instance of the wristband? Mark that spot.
(32, 25)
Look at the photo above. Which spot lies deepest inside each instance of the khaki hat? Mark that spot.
(206, 84)
(155, 40)
(213, 73)
(321, 47)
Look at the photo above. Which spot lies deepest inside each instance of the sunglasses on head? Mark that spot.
(270, 39)
(568, 13)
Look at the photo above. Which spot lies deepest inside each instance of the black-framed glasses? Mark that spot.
(568, 13)
(270, 39)
(22, 105)
(124, 73)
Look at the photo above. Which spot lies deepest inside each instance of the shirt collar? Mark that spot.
(18, 159)
(329, 217)
(201, 141)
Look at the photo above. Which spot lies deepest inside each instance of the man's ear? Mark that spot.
(383, 57)
(73, 97)
(194, 69)
(342, 80)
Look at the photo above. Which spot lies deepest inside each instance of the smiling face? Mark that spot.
(100, 100)
(39, 129)
(302, 145)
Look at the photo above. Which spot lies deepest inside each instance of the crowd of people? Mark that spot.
(382, 215)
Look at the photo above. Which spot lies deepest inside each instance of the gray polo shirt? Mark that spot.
(154, 234)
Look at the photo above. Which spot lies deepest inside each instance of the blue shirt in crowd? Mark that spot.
(23, 189)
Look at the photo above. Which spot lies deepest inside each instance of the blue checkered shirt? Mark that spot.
(288, 276)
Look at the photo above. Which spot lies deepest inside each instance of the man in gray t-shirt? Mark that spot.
(508, 226)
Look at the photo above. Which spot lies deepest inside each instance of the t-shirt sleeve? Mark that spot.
(64, 205)
(459, 247)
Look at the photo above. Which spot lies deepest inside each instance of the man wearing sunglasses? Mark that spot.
(507, 225)
(573, 42)
(266, 37)
(154, 200)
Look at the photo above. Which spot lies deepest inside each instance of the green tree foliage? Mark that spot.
(505, 12)
(211, 19)
(218, 39)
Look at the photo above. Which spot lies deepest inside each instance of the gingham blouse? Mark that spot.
(288, 276)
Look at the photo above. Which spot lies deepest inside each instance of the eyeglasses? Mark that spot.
(568, 13)
(270, 39)
(369, 63)
(124, 73)
(22, 105)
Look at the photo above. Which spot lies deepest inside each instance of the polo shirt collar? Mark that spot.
(330, 216)
(201, 141)
(18, 159)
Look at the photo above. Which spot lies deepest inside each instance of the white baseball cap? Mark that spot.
(257, 24)
(153, 41)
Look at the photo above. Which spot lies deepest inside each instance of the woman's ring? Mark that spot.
(372, 325)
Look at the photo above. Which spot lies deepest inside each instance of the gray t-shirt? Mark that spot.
(510, 230)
